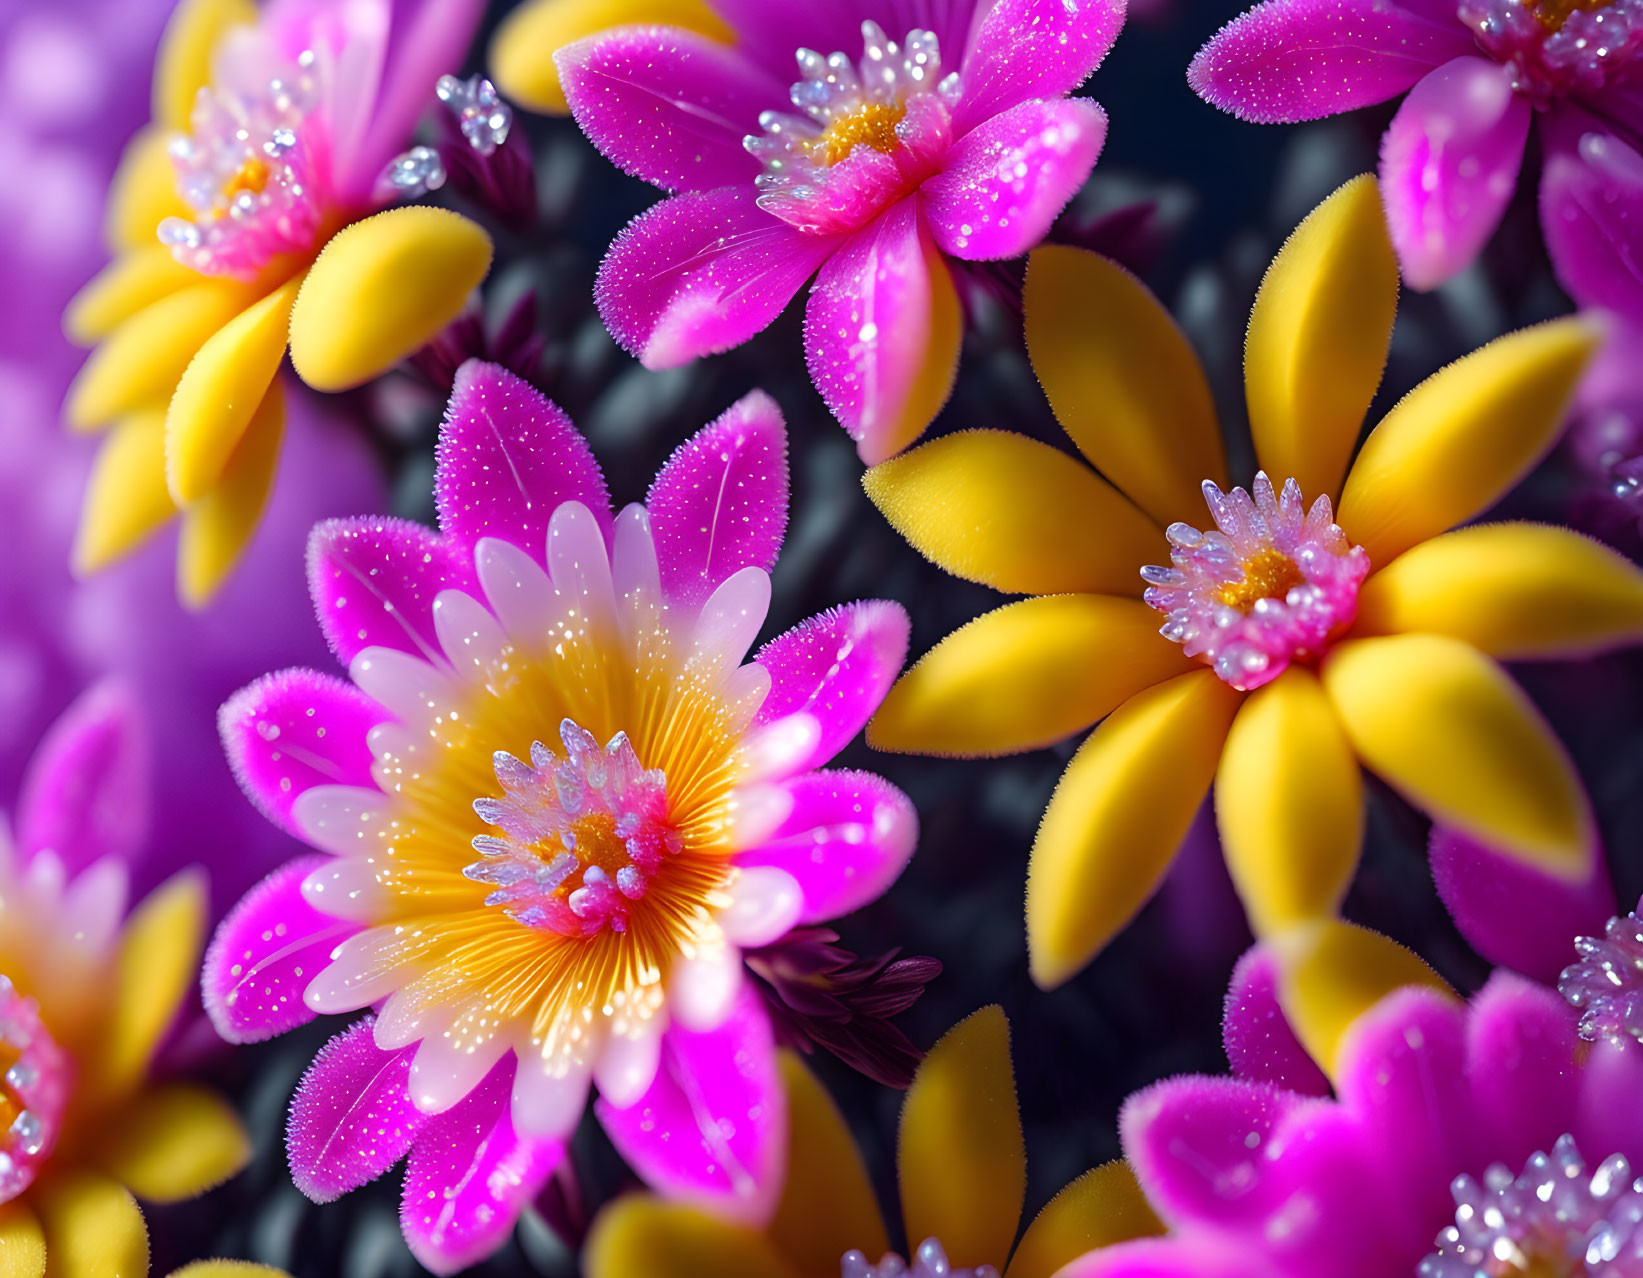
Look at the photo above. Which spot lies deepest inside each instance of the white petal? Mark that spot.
(757, 812)
(744, 693)
(416, 693)
(472, 639)
(704, 986)
(730, 621)
(403, 1020)
(549, 1096)
(442, 1072)
(344, 819)
(346, 888)
(95, 902)
(518, 591)
(362, 969)
(781, 748)
(580, 567)
(627, 1066)
(764, 905)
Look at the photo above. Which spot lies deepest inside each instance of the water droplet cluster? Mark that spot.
(929, 1261)
(33, 1091)
(1555, 48)
(1606, 984)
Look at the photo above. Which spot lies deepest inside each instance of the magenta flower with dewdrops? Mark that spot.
(555, 803)
(915, 132)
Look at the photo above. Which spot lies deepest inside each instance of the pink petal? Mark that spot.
(837, 667)
(669, 106)
(351, 1119)
(1259, 1042)
(295, 729)
(1290, 60)
(712, 1129)
(1449, 165)
(1610, 1117)
(845, 841)
(373, 580)
(85, 793)
(1521, 1061)
(701, 273)
(719, 504)
(868, 335)
(470, 1176)
(1185, 1256)
(1513, 915)
(264, 954)
(1032, 49)
(508, 457)
(1591, 211)
(1005, 182)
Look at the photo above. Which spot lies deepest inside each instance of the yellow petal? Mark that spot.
(1449, 729)
(217, 528)
(22, 1242)
(183, 65)
(126, 498)
(1461, 439)
(227, 1269)
(644, 1235)
(1123, 380)
(130, 283)
(1026, 675)
(827, 1204)
(944, 329)
(93, 1227)
(222, 388)
(143, 193)
(1012, 513)
(522, 52)
(1318, 336)
(962, 1161)
(1103, 1206)
(1331, 972)
(1120, 811)
(1515, 591)
(1289, 801)
(138, 366)
(173, 1142)
(381, 289)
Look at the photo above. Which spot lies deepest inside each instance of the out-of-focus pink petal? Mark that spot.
(1591, 211)
(1510, 913)
(719, 504)
(845, 840)
(508, 457)
(837, 667)
(667, 105)
(85, 793)
(712, 1128)
(701, 273)
(1032, 49)
(1520, 1061)
(351, 1119)
(469, 1177)
(1609, 1117)
(1449, 165)
(1189, 1256)
(1259, 1042)
(1007, 180)
(373, 580)
(265, 952)
(1290, 60)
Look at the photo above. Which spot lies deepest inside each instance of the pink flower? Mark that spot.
(556, 805)
(897, 148)
(1476, 72)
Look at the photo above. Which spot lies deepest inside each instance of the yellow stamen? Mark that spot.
(874, 125)
(1552, 14)
(1268, 574)
(252, 177)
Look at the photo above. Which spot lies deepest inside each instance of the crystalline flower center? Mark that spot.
(1606, 984)
(873, 125)
(1272, 583)
(929, 1261)
(1555, 48)
(582, 834)
(33, 1091)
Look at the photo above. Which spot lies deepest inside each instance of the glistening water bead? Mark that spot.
(929, 1261)
(1606, 984)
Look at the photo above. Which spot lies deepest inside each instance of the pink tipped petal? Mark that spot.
(1449, 165)
(836, 667)
(293, 730)
(265, 952)
(845, 839)
(351, 1119)
(777, 750)
(1004, 183)
(469, 1177)
(700, 273)
(85, 793)
(444, 1071)
(1033, 49)
(1291, 60)
(1520, 1060)
(1259, 1043)
(719, 504)
(704, 986)
(1513, 915)
(667, 105)
(508, 457)
(1591, 210)
(374, 580)
(712, 1128)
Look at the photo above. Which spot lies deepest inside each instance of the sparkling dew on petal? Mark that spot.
(1555, 48)
(1271, 583)
(1606, 984)
(929, 1261)
(34, 1091)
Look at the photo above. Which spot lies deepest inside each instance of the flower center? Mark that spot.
(583, 834)
(33, 1092)
(929, 1261)
(1272, 583)
(1557, 1219)
(873, 125)
(1606, 984)
(1558, 47)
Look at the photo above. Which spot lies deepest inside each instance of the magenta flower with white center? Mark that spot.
(1477, 73)
(913, 133)
(553, 805)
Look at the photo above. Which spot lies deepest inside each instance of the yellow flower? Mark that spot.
(267, 208)
(1397, 672)
(963, 1170)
